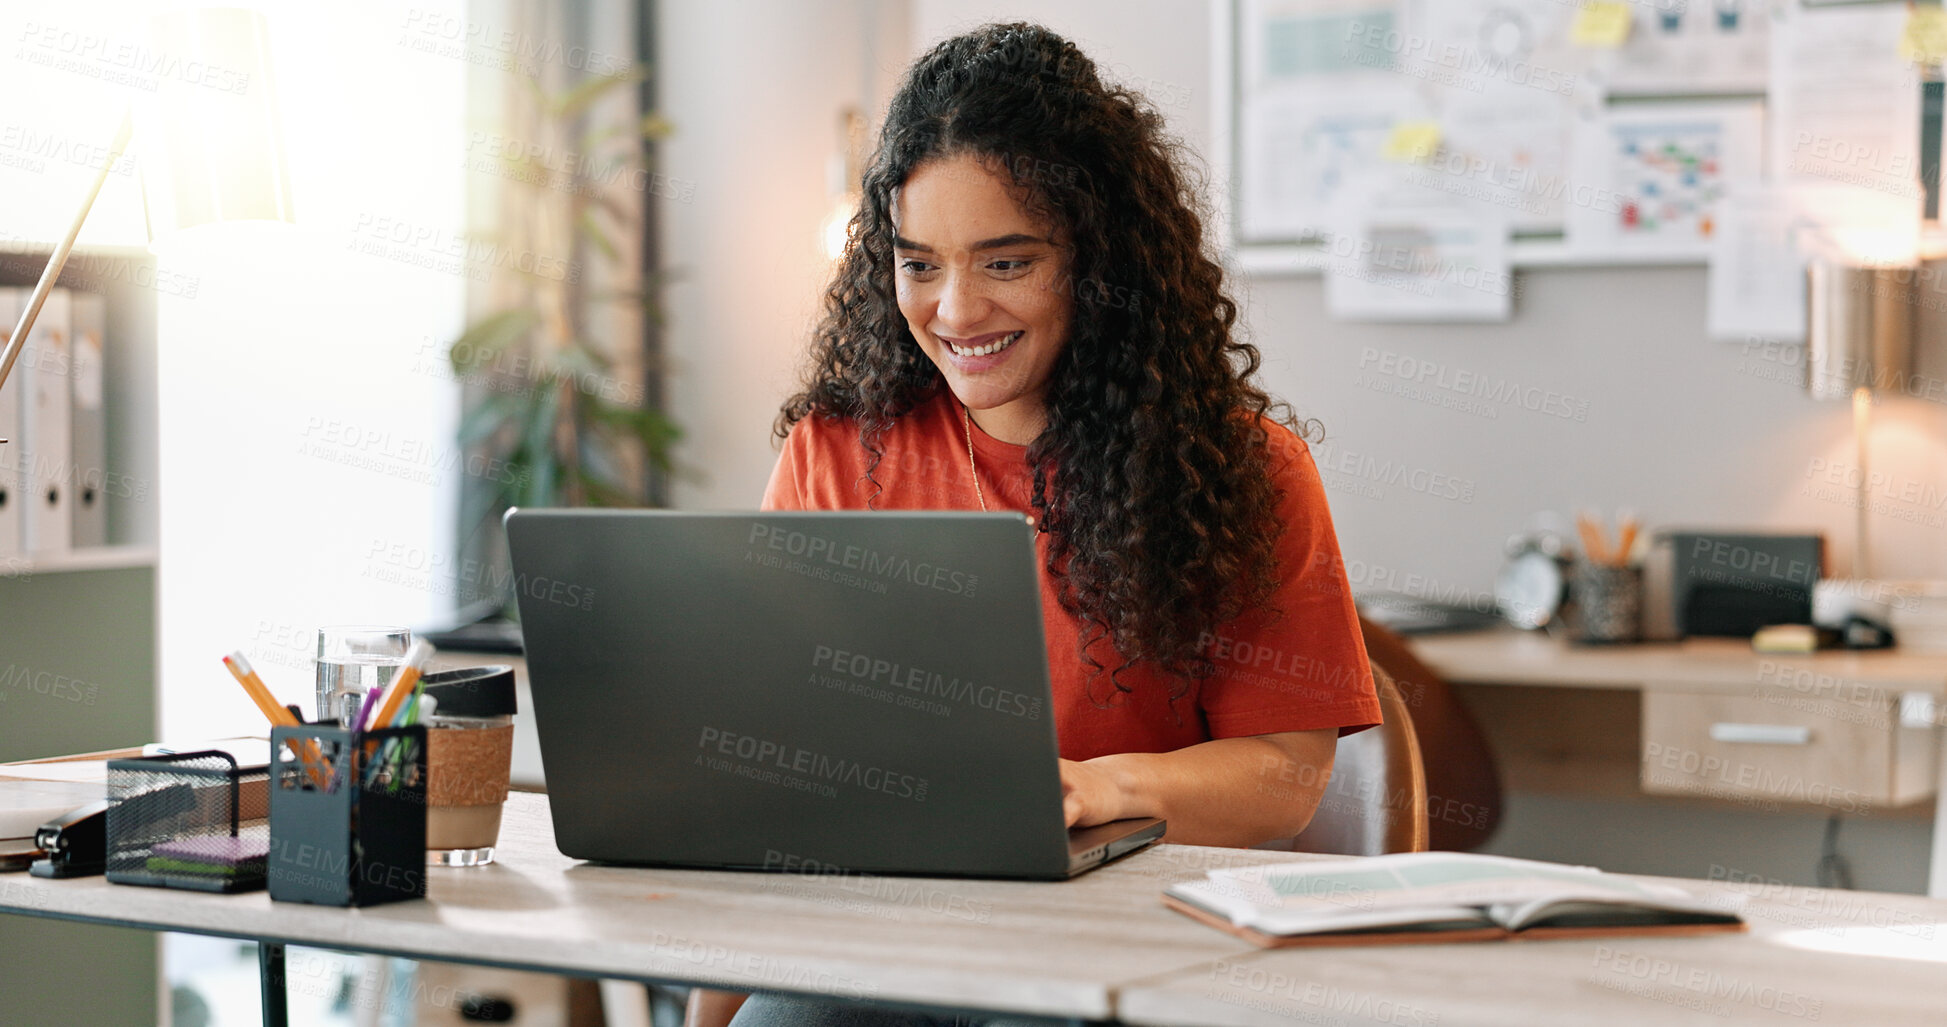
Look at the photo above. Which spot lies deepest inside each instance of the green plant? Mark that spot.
(553, 419)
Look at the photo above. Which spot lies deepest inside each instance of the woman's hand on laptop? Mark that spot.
(1089, 795)
(1227, 791)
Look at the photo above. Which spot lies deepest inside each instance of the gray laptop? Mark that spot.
(798, 691)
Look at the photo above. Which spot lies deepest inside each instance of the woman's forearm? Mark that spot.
(1228, 791)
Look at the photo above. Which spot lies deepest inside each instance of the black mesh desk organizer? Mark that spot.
(191, 820)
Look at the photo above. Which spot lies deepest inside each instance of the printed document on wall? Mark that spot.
(1768, 234)
(1645, 179)
(1307, 156)
(1317, 98)
(1845, 105)
(1757, 271)
(1507, 84)
(1676, 47)
(1400, 262)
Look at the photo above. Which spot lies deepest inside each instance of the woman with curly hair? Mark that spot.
(1025, 318)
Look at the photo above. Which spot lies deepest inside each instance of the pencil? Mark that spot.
(1591, 539)
(405, 684)
(277, 715)
(254, 686)
(402, 686)
(1629, 529)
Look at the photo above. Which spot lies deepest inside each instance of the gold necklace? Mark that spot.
(966, 426)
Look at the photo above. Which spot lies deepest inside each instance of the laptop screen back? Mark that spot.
(865, 691)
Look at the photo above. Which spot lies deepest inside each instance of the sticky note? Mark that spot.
(1601, 23)
(1924, 40)
(1412, 142)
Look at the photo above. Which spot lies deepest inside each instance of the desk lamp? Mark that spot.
(1859, 336)
(223, 153)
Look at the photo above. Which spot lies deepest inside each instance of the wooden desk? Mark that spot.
(1812, 956)
(1098, 948)
(1842, 732)
(1043, 948)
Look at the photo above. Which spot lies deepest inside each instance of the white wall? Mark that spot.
(308, 470)
(754, 89)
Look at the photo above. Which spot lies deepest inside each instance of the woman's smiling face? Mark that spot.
(980, 283)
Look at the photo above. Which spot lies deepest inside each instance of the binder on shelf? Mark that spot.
(11, 498)
(90, 466)
(46, 429)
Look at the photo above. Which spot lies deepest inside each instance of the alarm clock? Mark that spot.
(1533, 583)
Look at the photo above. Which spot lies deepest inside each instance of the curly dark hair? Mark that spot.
(1163, 519)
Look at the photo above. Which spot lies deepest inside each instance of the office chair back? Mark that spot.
(1376, 801)
(1463, 784)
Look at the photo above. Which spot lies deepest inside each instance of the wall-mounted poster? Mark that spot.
(1646, 179)
(1317, 98)
(1689, 47)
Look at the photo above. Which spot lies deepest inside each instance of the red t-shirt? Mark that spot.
(1302, 670)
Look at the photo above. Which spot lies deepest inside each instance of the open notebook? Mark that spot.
(1435, 897)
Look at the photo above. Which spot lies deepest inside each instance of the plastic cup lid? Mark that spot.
(473, 691)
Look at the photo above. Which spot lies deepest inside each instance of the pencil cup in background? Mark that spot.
(352, 660)
(1606, 603)
(470, 751)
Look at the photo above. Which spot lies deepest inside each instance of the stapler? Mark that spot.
(76, 844)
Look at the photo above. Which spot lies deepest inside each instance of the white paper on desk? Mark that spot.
(73, 771)
(1432, 262)
(26, 805)
(1646, 178)
(1845, 107)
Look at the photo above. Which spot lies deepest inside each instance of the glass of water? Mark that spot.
(353, 660)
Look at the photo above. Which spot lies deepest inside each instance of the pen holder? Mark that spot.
(1607, 604)
(347, 815)
(190, 820)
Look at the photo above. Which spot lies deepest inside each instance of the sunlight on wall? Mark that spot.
(308, 467)
(308, 472)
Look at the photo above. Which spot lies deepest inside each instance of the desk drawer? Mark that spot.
(1842, 755)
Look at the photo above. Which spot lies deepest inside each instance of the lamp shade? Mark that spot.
(214, 126)
(1859, 329)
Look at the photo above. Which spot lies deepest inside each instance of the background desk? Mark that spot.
(1099, 947)
(1628, 721)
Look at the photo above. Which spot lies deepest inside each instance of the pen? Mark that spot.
(277, 715)
(343, 771)
(406, 683)
(392, 757)
(416, 658)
